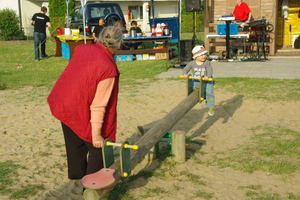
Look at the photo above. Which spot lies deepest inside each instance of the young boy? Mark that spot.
(200, 67)
(138, 30)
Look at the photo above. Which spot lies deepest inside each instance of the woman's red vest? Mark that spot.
(74, 91)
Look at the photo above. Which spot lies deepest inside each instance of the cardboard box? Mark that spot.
(233, 29)
(145, 56)
(119, 58)
(152, 57)
(160, 56)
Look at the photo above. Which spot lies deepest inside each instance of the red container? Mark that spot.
(159, 34)
(60, 31)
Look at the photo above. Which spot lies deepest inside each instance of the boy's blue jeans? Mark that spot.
(209, 88)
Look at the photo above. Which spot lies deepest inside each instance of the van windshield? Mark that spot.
(96, 12)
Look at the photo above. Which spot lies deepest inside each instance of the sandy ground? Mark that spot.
(32, 138)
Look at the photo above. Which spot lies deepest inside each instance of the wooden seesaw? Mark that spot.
(104, 178)
(202, 92)
(145, 143)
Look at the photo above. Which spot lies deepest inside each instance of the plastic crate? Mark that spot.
(139, 57)
(145, 56)
(119, 58)
(65, 51)
(233, 29)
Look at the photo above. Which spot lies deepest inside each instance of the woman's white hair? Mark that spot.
(110, 37)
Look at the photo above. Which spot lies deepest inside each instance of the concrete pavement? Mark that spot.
(275, 67)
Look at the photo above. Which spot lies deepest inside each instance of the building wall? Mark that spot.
(259, 9)
(12, 4)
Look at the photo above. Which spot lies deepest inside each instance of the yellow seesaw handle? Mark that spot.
(126, 146)
(135, 147)
(197, 78)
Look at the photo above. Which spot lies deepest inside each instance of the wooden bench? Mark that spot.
(164, 39)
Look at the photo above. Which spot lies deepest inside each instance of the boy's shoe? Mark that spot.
(211, 111)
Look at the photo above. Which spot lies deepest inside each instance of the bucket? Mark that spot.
(75, 33)
(60, 31)
(67, 31)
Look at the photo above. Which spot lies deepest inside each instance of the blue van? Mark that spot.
(111, 12)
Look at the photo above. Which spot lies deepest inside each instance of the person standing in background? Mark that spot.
(40, 21)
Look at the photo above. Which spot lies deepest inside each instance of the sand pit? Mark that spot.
(32, 138)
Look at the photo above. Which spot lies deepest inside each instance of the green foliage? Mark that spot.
(58, 8)
(10, 25)
(55, 23)
(187, 23)
(58, 13)
(187, 19)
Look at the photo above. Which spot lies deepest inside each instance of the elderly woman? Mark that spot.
(84, 99)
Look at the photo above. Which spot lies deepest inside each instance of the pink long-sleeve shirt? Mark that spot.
(103, 92)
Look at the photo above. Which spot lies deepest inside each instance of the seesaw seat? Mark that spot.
(99, 180)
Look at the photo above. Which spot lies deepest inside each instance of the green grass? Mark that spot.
(262, 88)
(274, 150)
(7, 174)
(8, 178)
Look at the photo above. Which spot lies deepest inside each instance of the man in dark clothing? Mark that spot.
(40, 21)
(97, 30)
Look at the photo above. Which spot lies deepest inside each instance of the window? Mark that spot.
(141, 12)
(133, 12)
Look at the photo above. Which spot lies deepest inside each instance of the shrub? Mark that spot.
(10, 25)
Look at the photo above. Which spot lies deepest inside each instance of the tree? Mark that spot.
(58, 13)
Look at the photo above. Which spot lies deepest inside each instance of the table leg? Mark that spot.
(58, 52)
(167, 47)
(227, 39)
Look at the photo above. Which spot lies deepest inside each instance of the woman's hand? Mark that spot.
(185, 76)
(205, 78)
(97, 138)
(98, 141)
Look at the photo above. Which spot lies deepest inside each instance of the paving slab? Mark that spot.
(276, 67)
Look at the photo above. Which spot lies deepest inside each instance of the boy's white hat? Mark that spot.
(198, 51)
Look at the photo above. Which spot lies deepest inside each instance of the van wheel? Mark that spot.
(111, 19)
